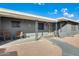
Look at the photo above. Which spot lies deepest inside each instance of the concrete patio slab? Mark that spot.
(36, 48)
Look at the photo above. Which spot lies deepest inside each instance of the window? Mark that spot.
(78, 27)
(41, 26)
(73, 28)
(15, 23)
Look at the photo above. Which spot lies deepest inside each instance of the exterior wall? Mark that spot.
(26, 26)
(0, 23)
(77, 28)
(29, 28)
(67, 30)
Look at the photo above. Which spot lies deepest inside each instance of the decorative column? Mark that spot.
(56, 26)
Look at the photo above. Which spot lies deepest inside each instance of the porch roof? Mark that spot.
(66, 19)
(22, 15)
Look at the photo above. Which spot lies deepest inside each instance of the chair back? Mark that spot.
(7, 34)
(18, 33)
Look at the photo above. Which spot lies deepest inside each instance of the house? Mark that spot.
(67, 27)
(32, 25)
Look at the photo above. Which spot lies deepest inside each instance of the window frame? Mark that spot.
(41, 26)
(73, 27)
(15, 24)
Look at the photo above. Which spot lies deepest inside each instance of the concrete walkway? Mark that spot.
(18, 41)
(68, 50)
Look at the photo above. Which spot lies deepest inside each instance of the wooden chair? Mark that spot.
(7, 35)
(20, 35)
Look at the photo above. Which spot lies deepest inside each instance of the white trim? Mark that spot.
(13, 13)
(67, 19)
(22, 15)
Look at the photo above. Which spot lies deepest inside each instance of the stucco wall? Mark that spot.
(77, 29)
(67, 30)
(26, 26)
(0, 23)
(29, 28)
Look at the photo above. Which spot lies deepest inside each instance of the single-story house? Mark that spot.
(35, 26)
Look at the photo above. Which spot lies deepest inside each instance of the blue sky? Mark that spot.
(52, 10)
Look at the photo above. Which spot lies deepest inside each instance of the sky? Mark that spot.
(51, 10)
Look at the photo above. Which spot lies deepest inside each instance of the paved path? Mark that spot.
(2, 44)
(68, 50)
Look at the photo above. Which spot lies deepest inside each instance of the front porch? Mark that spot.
(31, 29)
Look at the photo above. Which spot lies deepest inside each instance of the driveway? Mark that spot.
(68, 50)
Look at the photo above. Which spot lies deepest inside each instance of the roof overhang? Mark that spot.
(21, 15)
(66, 20)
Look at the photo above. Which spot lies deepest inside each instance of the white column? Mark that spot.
(56, 28)
(49, 29)
(60, 27)
(36, 30)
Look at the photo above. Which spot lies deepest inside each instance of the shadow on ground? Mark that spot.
(68, 50)
(5, 42)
